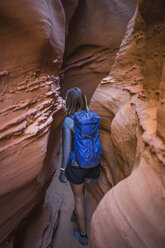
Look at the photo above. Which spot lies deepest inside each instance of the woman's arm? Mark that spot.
(66, 146)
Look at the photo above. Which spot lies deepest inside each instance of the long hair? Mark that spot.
(75, 101)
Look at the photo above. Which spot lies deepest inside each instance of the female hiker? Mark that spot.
(81, 154)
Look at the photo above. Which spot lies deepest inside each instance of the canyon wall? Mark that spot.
(130, 101)
(94, 33)
(131, 104)
(32, 43)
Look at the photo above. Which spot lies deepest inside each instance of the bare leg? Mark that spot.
(78, 192)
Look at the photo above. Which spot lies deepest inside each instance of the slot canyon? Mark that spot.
(114, 50)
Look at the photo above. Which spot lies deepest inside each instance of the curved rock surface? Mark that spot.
(32, 42)
(131, 103)
(95, 31)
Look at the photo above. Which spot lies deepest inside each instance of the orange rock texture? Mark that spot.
(44, 43)
(94, 34)
(131, 103)
(31, 110)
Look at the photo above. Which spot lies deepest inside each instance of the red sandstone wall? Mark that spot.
(131, 103)
(31, 110)
(94, 32)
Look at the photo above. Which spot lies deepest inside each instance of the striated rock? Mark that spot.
(130, 102)
(94, 36)
(31, 110)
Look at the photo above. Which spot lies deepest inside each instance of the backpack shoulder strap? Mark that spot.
(71, 116)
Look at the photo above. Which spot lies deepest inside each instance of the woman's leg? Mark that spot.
(78, 192)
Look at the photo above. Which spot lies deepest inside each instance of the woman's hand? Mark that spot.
(62, 176)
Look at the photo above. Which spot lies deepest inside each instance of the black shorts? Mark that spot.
(77, 175)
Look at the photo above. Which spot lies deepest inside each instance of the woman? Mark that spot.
(77, 176)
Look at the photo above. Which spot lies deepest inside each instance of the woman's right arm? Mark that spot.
(66, 147)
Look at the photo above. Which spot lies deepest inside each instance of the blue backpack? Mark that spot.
(87, 149)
